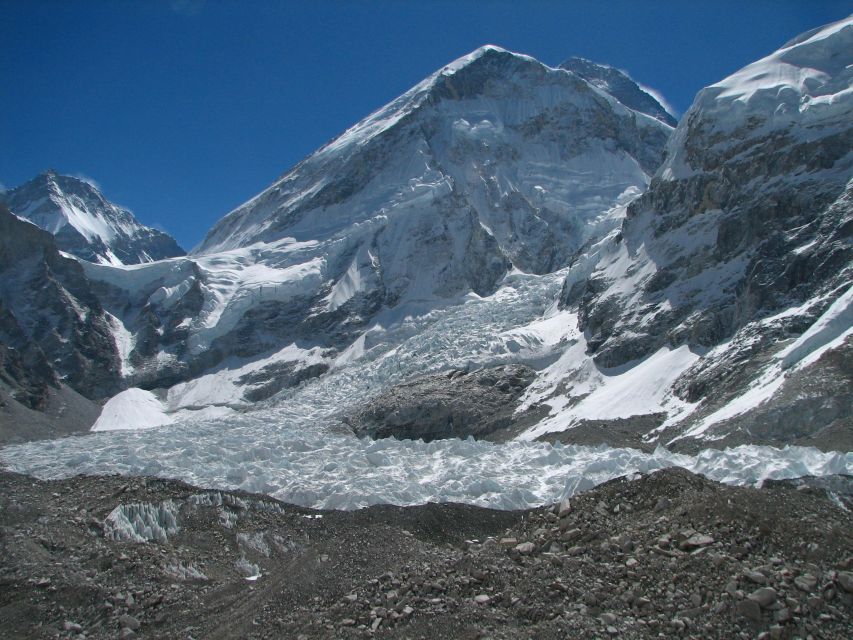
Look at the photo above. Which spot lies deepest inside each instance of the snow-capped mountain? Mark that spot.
(86, 224)
(494, 164)
(539, 230)
(729, 286)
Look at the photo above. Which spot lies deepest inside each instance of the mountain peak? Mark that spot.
(621, 86)
(85, 223)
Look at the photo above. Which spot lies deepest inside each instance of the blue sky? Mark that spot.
(183, 109)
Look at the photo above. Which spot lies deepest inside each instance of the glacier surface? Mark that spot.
(329, 470)
(295, 449)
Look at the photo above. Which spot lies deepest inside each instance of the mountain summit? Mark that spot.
(86, 224)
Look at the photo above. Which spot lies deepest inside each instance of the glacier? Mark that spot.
(295, 449)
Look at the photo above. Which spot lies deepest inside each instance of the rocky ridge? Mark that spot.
(56, 346)
(740, 249)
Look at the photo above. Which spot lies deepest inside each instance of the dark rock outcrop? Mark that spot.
(451, 404)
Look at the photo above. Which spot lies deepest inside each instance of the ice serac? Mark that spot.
(620, 85)
(740, 246)
(492, 164)
(57, 353)
(87, 225)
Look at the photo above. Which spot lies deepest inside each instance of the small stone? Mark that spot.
(376, 622)
(525, 548)
(608, 618)
(482, 598)
(350, 597)
(72, 627)
(782, 615)
(347, 622)
(631, 563)
(570, 535)
(129, 622)
(695, 541)
(755, 576)
(127, 634)
(845, 580)
(806, 582)
(765, 596)
(508, 542)
(749, 609)
(564, 508)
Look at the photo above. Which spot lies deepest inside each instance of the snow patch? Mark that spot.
(132, 409)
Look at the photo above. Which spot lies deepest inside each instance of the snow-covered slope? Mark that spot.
(86, 224)
(494, 164)
(620, 85)
(741, 245)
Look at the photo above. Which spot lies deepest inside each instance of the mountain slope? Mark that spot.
(86, 224)
(619, 85)
(56, 348)
(493, 165)
(739, 257)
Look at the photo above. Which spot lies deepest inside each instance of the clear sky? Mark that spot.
(183, 109)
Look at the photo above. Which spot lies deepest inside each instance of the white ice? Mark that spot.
(296, 450)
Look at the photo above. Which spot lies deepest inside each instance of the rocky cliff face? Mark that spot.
(54, 335)
(87, 225)
(741, 245)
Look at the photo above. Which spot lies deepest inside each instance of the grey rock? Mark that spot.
(764, 596)
(129, 622)
(695, 541)
(806, 582)
(749, 609)
(453, 404)
(755, 576)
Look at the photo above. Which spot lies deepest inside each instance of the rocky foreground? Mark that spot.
(670, 554)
